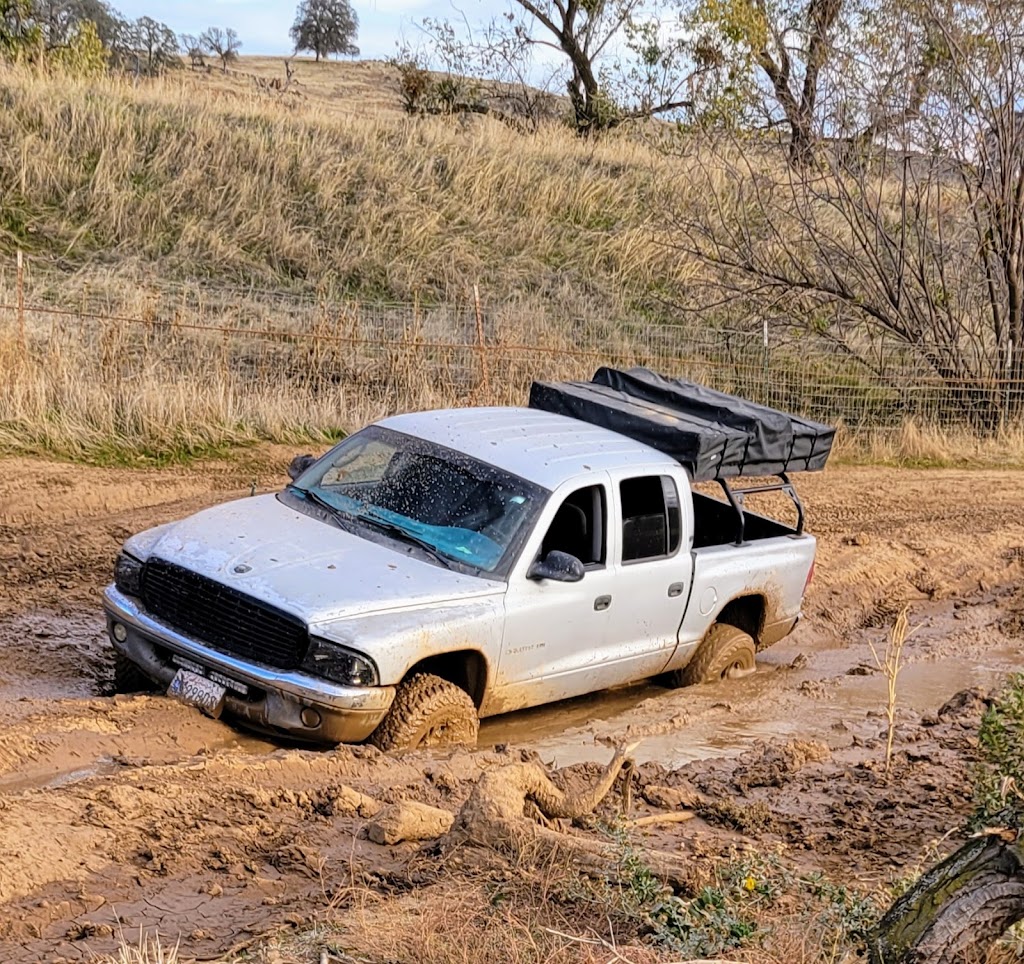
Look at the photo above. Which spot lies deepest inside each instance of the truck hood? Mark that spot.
(303, 565)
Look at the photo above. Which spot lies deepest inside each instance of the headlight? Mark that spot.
(338, 664)
(128, 575)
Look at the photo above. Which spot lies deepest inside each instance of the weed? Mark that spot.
(891, 662)
(999, 786)
(844, 913)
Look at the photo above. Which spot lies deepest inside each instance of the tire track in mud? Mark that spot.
(121, 813)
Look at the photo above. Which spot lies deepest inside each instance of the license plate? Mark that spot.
(195, 690)
(231, 684)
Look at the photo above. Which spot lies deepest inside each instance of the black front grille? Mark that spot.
(224, 618)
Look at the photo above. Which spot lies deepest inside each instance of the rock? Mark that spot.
(683, 797)
(409, 820)
(970, 703)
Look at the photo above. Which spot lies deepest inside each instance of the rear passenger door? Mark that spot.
(653, 572)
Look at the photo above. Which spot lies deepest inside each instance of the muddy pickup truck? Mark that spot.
(440, 567)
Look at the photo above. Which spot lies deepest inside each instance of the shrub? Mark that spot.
(84, 55)
(999, 786)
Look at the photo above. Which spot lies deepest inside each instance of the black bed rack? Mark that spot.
(737, 497)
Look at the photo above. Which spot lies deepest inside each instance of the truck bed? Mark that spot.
(714, 523)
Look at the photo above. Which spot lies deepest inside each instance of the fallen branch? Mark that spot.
(678, 816)
(493, 818)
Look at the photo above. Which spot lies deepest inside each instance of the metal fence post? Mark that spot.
(765, 395)
(21, 299)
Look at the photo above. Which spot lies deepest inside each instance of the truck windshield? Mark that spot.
(454, 506)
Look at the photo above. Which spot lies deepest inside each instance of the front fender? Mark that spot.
(142, 543)
(399, 639)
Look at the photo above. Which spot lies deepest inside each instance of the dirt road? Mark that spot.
(118, 813)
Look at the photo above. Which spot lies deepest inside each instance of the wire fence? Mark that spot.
(340, 361)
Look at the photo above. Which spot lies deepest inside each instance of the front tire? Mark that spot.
(726, 652)
(427, 712)
(128, 678)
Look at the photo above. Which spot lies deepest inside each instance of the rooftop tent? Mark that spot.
(716, 435)
(689, 440)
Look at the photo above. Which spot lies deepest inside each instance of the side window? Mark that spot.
(578, 527)
(651, 518)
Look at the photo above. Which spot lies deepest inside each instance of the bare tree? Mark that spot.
(618, 60)
(911, 255)
(156, 45)
(223, 44)
(651, 73)
(194, 48)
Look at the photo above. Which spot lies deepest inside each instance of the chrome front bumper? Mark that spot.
(277, 698)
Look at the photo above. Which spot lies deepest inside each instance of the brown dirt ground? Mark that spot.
(124, 813)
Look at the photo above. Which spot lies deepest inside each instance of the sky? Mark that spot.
(263, 25)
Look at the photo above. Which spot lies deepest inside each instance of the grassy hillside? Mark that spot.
(328, 184)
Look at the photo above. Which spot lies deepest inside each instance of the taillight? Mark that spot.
(810, 576)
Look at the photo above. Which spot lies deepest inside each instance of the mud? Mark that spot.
(124, 813)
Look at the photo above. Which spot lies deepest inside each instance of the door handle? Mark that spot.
(602, 603)
(676, 589)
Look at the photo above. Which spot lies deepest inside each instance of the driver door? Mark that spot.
(556, 632)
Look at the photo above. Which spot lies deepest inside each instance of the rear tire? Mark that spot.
(128, 678)
(428, 711)
(725, 653)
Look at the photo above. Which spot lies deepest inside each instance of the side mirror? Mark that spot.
(299, 464)
(557, 566)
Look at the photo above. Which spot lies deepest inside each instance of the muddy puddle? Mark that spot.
(727, 729)
(811, 686)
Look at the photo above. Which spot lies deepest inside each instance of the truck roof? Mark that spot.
(542, 447)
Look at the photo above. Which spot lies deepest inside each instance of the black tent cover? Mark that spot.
(714, 434)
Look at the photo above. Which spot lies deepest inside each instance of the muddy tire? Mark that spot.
(128, 678)
(725, 653)
(427, 712)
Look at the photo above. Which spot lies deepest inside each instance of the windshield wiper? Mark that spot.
(339, 515)
(404, 535)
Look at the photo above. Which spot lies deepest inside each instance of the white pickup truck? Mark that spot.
(440, 567)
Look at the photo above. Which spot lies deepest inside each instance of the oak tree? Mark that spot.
(325, 27)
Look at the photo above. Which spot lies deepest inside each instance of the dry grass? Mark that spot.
(148, 950)
(166, 380)
(204, 176)
(918, 445)
(532, 915)
(890, 662)
(130, 375)
(367, 88)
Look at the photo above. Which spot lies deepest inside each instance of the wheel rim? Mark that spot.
(737, 670)
(433, 735)
(438, 733)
